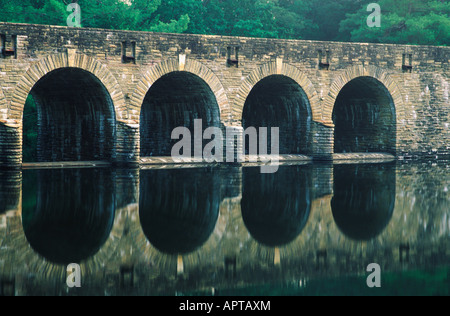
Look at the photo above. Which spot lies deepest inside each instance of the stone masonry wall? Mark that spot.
(420, 97)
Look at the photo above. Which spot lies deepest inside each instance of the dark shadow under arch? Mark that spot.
(72, 116)
(175, 100)
(279, 101)
(364, 117)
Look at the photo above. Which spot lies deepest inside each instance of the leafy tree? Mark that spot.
(108, 14)
(253, 18)
(128, 15)
(328, 14)
(195, 10)
(236, 18)
(403, 22)
(36, 12)
(293, 19)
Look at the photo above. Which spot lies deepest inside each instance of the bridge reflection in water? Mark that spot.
(67, 215)
(363, 200)
(276, 207)
(228, 224)
(179, 208)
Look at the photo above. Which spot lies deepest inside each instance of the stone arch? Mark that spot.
(270, 69)
(174, 65)
(362, 71)
(70, 59)
(378, 79)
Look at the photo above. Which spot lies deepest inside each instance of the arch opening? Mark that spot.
(69, 116)
(364, 117)
(68, 214)
(363, 200)
(178, 209)
(175, 100)
(275, 207)
(279, 101)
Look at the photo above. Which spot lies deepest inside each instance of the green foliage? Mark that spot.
(109, 14)
(403, 21)
(190, 11)
(35, 12)
(173, 26)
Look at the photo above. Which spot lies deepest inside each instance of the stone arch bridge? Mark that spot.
(117, 95)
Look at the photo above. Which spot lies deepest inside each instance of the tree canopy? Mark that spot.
(402, 21)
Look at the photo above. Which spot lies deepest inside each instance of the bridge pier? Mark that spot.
(233, 144)
(10, 146)
(127, 145)
(322, 147)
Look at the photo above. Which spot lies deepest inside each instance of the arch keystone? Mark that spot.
(279, 66)
(181, 62)
(71, 54)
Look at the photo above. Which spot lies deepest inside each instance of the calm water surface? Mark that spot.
(307, 229)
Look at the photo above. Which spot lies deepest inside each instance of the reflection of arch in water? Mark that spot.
(68, 215)
(179, 213)
(275, 207)
(10, 203)
(178, 208)
(364, 198)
